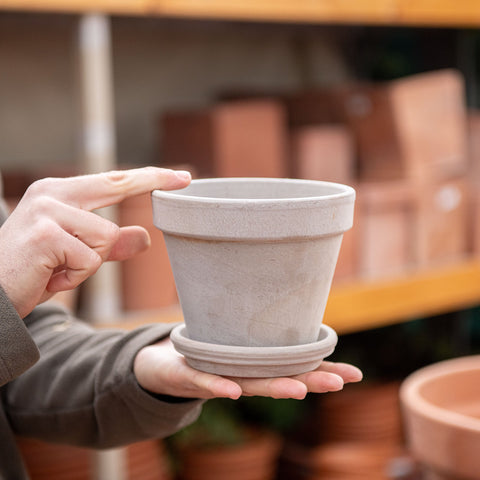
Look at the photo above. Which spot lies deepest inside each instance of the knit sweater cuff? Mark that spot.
(18, 351)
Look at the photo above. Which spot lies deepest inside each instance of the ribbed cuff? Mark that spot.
(18, 351)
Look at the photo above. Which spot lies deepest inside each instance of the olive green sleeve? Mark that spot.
(83, 390)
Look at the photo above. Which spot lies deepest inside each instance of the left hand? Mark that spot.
(160, 369)
(53, 241)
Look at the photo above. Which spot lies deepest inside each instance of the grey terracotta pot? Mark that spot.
(253, 258)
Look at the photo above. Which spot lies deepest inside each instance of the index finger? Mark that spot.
(93, 191)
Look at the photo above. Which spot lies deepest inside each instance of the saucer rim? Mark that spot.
(269, 361)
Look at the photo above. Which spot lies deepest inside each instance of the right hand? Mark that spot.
(159, 368)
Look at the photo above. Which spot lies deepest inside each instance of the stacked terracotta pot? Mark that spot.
(342, 461)
(245, 138)
(403, 143)
(355, 434)
(44, 461)
(147, 278)
(253, 459)
(148, 460)
(474, 156)
(363, 413)
(410, 137)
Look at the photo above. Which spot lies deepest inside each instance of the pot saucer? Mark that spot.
(239, 361)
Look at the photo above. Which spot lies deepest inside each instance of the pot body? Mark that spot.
(253, 294)
(253, 259)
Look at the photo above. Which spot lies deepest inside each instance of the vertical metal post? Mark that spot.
(99, 154)
(98, 146)
(110, 464)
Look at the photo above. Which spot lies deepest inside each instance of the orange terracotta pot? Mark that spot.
(413, 127)
(254, 460)
(442, 221)
(473, 121)
(339, 460)
(385, 212)
(441, 407)
(147, 278)
(45, 461)
(245, 138)
(146, 460)
(323, 152)
(186, 138)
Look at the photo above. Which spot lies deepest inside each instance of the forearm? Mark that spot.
(85, 389)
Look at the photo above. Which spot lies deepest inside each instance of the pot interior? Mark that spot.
(261, 189)
(457, 391)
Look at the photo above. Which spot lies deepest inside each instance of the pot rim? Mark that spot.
(304, 216)
(413, 401)
(344, 192)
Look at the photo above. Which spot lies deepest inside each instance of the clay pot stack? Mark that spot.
(404, 144)
(356, 434)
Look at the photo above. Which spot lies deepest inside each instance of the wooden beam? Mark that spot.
(364, 305)
(369, 304)
(446, 13)
(120, 7)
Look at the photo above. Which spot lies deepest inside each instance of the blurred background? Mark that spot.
(159, 65)
(389, 106)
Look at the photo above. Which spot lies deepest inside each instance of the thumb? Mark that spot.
(132, 240)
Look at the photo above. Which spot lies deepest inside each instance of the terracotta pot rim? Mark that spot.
(256, 438)
(412, 399)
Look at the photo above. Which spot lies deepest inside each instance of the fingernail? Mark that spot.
(183, 175)
(358, 376)
(336, 383)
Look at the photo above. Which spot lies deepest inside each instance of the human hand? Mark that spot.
(53, 241)
(159, 368)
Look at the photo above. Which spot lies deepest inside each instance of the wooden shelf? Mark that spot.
(365, 305)
(361, 305)
(447, 13)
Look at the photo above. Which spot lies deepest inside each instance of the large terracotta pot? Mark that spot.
(441, 406)
(253, 261)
